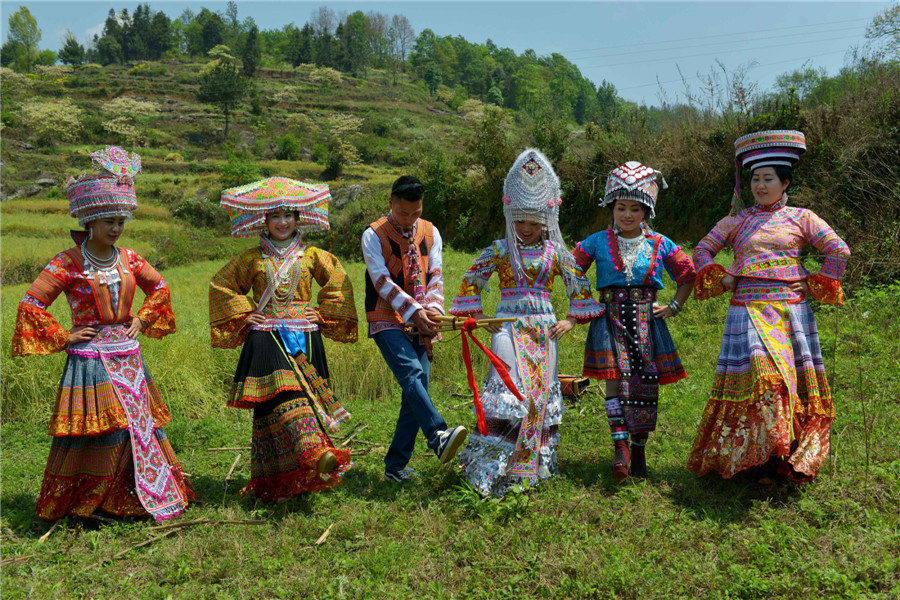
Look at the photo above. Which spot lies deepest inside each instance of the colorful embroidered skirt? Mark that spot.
(629, 345)
(86, 473)
(106, 383)
(506, 455)
(289, 426)
(770, 396)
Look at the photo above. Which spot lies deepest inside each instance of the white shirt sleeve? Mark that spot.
(434, 293)
(399, 300)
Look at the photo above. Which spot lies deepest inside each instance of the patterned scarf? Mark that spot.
(413, 272)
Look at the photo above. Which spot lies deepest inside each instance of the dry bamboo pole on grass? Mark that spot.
(181, 524)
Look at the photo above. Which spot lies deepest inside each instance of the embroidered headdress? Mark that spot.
(532, 192)
(248, 204)
(109, 192)
(634, 181)
(781, 147)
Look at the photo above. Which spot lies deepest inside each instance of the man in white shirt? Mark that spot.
(405, 289)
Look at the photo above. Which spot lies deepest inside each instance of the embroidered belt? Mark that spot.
(635, 294)
(764, 290)
(111, 340)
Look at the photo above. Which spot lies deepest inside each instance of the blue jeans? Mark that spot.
(412, 369)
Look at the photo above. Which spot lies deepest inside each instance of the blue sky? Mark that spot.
(631, 44)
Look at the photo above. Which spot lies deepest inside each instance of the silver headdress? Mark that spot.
(634, 181)
(532, 192)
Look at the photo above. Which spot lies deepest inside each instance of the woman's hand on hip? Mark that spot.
(80, 335)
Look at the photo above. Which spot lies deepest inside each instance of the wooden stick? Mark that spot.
(135, 547)
(229, 449)
(206, 521)
(15, 559)
(353, 435)
(324, 536)
(11, 535)
(44, 537)
(233, 465)
(353, 429)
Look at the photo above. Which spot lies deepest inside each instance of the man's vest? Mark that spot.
(394, 249)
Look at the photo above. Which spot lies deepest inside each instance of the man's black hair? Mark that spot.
(408, 188)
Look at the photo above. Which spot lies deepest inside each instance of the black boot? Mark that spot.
(638, 460)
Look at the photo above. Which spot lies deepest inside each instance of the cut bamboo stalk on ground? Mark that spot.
(15, 559)
(11, 535)
(236, 448)
(233, 465)
(44, 537)
(205, 522)
(324, 536)
(353, 435)
(135, 547)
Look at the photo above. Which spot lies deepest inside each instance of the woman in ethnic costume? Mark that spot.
(109, 450)
(526, 262)
(282, 374)
(629, 346)
(770, 401)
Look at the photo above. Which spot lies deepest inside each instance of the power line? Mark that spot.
(772, 64)
(706, 54)
(728, 35)
(772, 37)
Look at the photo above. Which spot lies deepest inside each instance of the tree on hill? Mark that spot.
(221, 84)
(250, 55)
(22, 39)
(72, 53)
(433, 77)
(886, 26)
(159, 39)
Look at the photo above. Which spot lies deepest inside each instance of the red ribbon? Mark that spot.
(498, 365)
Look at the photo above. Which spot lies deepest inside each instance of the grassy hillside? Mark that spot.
(579, 535)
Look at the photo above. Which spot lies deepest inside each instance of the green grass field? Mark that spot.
(580, 535)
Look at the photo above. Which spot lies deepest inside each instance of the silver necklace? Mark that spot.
(282, 296)
(105, 271)
(631, 249)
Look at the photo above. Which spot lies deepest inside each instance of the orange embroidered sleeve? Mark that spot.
(825, 289)
(156, 311)
(335, 298)
(708, 283)
(229, 305)
(37, 332)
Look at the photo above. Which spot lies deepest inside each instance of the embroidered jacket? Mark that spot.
(541, 266)
(390, 300)
(767, 243)
(37, 332)
(603, 248)
(229, 305)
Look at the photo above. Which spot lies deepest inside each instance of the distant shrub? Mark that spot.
(202, 212)
(472, 110)
(238, 171)
(299, 124)
(325, 77)
(124, 127)
(52, 72)
(445, 94)
(286, 95)
(289, 148)
(319, 152)
(129, 106)
(174, 157)
(14, 83)
(52, 121)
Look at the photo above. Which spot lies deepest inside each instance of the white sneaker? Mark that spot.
(449, 442)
